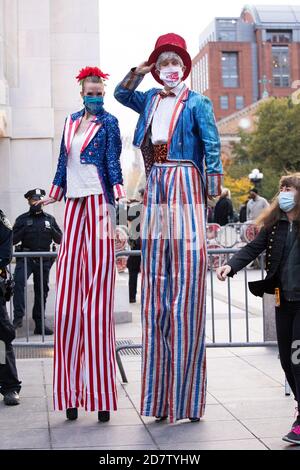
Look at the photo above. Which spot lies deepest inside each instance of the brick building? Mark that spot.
(244, 59)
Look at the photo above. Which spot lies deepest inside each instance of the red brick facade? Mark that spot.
(215, 89)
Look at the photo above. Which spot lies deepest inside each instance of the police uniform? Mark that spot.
(35, 230)
(10, 385)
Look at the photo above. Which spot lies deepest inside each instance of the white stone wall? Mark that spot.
(43, 44)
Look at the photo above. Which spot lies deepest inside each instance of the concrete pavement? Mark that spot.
(246, 409)
(246, 405)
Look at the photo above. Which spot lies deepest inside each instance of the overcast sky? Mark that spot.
(128, 32)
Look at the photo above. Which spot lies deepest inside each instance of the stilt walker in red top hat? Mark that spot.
(89, 176)
(179, 140)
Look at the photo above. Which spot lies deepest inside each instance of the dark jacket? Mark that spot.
(36, 231)
(134, 216)
(243, 213)
(273, 241)
(7, 331)
(223, 213)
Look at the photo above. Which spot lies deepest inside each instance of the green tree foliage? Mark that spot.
(273, 147)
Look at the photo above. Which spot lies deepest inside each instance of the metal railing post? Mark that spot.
(42, 297)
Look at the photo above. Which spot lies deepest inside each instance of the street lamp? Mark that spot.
(264, 81)
(255, 177)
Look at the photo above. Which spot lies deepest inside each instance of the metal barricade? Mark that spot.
(213, 344)
(212, 254)
(39, 255)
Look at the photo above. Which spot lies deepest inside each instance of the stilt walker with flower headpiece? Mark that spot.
(89, 176)
(179, 141)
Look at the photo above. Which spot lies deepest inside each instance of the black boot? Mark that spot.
(194, 420)
(39, 330)
(103, 416)
(11, 398)
(72, 414)
(18, 323)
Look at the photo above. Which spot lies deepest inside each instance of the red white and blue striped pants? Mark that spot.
(84, 358)
(174, 266)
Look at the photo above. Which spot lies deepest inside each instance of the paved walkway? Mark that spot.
(246, 409)
(246, 405)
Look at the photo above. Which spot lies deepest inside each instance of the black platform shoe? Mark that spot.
(72, 413)
(194, 420)
(159, 419)
(103, 416)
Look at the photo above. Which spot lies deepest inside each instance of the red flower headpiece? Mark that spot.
(91, 71)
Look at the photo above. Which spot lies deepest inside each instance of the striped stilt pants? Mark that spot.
(174, 266)
(84, 351)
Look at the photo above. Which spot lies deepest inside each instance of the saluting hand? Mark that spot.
(144, 68)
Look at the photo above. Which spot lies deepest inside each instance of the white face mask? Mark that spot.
(171, 76)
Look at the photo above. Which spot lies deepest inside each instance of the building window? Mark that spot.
(230, 74)
(227, 22)
(206, 81)
(200, 75)
(281, 67)
(279, 36)
(227, 36)
(224, 103)
(239, 102)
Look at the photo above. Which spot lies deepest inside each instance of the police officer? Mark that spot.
(10, 385)
(35, 230)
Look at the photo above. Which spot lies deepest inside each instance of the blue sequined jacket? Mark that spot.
(102, 148)
(194, 138)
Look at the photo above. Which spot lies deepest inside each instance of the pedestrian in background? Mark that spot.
(255, 205)
(223, 213)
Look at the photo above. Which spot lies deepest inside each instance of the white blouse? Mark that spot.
(82, 178)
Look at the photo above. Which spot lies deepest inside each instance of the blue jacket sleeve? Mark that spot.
(113, 152)
(125, 92)
(212, 146)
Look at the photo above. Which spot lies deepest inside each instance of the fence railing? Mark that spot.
(215, 257)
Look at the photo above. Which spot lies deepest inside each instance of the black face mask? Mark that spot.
(35, 209)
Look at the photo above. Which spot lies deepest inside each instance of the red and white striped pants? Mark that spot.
(84, 358)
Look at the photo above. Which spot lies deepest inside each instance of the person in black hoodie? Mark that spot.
(280, 237)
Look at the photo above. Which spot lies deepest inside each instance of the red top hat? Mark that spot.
(170, 43)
